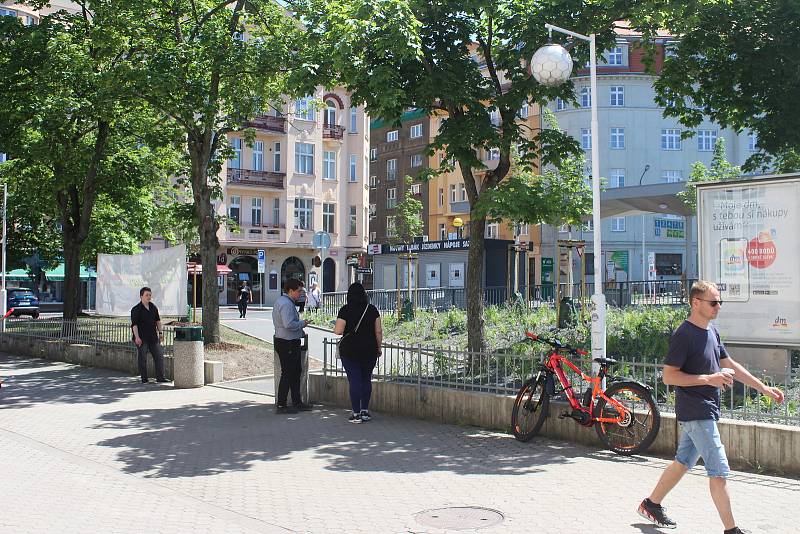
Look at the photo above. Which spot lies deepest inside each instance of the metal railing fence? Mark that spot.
(503, 373)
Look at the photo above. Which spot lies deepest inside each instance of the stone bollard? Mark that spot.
(303, 373)
(187, 357)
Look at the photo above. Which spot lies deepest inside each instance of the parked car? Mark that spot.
(23, 301)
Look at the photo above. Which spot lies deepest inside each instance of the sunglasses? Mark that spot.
(712, 302)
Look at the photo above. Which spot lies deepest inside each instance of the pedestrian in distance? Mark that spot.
(359, 324)
(148, 334)
(301, 300)
(244, 299)
(287, 341)
(699, 366)
(314, 298)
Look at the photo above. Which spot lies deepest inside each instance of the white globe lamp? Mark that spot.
(551, 65)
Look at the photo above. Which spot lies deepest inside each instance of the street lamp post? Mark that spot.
(644, 259)
(546, 68)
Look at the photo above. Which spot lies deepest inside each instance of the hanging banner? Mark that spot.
(748, 246)
(120, 277)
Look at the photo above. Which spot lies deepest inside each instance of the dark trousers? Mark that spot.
(359, 375)
(291, 369)
(301, 306)
(158, 359)
(242, 308)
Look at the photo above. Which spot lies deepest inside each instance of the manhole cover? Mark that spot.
(460, 518)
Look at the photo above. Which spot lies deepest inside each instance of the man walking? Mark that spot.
(244, 299)
(699, 366)
(148, 334)
(288, 333)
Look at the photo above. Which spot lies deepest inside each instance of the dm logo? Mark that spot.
(780, 322)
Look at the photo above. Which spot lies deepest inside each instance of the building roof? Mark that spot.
(407, 116)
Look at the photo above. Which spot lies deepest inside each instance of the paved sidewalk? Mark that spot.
(87, 450)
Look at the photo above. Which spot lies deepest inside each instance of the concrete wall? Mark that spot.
(105, 357)
(750, 446)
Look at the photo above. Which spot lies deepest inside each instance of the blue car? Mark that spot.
(23, 301)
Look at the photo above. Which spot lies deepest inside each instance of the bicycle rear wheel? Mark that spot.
(639, 423)
(530, 408)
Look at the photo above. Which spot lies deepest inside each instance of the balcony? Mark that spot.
(268, 123)
(271, 180)
(333, 131)
(257, 234)
(459, 207)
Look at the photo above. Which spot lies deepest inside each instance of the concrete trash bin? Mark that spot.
(187, 357)
(276, 362)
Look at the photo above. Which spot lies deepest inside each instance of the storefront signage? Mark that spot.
(235, 251)
(670, 228)
(430, 246)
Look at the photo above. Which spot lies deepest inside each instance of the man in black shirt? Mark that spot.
(148, 334)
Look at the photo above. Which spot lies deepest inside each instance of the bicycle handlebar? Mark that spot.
(555, 343)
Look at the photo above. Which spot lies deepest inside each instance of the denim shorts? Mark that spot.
(700, 439)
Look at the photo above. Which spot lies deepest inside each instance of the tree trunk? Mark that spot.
(72, 277)
(476, 341)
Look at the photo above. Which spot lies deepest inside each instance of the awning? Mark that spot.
(54, 275)
(636, 200)
(197, 268)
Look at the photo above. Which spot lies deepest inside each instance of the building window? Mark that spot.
(560, 105)
(255, 211)
(392, 136)
(391, 230)
(494, 117)
(303, 109)
(328, 165)
(276, 211)
(391, 169)
(416, 160)
(617, 96)
(615, 56)
(330, 112)
(415, 189)
(373, 181)
(373, 236)
(391, 198)
(353, 167)
(617, 224)
(588, 226)
(235, 162)
(329, 218)
(441, 197)
(617, 177)
(373, 209)
(492, 230)
(586, 138)
(462, 193)
(234, 211)
(304, 158)
(373, 154)
(442, 232)
(493, 154)
(276, 163)
(258, 156)
(524, 111)
(752, 141)
(416, 131)
(3, 157)
(586, 97)
(618, 138)
(353, 220)
(671, 177)
(706, 139)
(353, 120)
(670, 139)
(453, 197)
(303, 213)
(669, 264)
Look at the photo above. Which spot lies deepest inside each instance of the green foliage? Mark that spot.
(721, 170)
(408, 215)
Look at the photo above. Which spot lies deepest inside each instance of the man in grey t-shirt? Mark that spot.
(699, 366)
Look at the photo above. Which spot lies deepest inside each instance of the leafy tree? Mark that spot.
(736, 62)
(209, 66)
(721, 170)
(78, 138)
(464, 60)
(408, 215)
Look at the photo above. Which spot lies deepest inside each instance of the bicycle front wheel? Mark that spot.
(638, 423)
(530, 408)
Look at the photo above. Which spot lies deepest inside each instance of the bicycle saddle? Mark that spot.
(605, 361)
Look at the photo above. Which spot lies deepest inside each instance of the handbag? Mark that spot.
(339, 342)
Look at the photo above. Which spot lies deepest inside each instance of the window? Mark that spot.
(588, 226)
(353, 167)
(462, 193)
(391, 169)
(752, 141)
(617, 224)
(235, 208)
(258, 156)
(441, 197)
(7, 13)
(276, 164)
(391, 230)
(617, 96)
(494, 117)
(235, 162)
(303, 213)
(524, 111)
(671, 177)
(276, 211)
(415, 189)
(670, 139)
(520, 229)
(255, 211)
(391, 198)
(586, 97)
(373, 181)
(706, 139)
(453, 197)
(560, 105)
(392, 136)
(328, 165)
(373, 236)
(442, 232)
(618, 138)
(329, 218)
(353, 120)
(353, 220)
(373, 154)
(416, 131)
(492, 230)
(669, 264)
(615, 56)
(3, 157)
(330, 112)
(416, 160)
(303, 109)
(304, 158)
(493, 154)
(586, 138)
(617, 177)
(373, 209)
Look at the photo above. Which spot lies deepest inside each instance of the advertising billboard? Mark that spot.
(749, 244)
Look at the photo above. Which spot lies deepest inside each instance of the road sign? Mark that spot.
(322, 240)
(364, 270)
(262, 261)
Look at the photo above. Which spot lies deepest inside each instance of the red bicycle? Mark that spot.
(624, 415)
